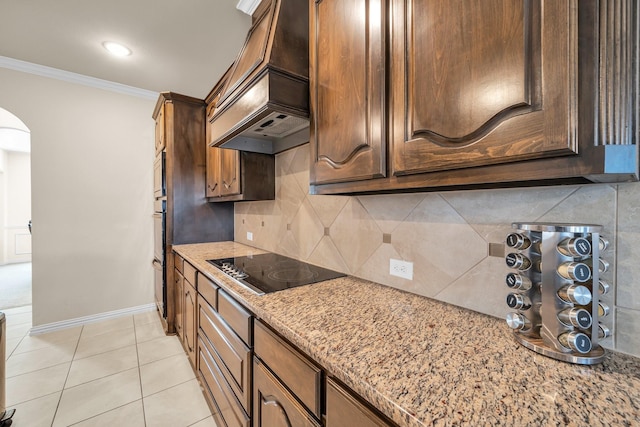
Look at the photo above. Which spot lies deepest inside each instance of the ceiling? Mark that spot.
(182, 46)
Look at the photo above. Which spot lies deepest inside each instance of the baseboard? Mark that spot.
(79, 321)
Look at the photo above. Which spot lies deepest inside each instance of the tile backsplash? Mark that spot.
(446, 235)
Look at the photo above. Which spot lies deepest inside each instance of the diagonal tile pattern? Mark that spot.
(446, 235)
(118, 372)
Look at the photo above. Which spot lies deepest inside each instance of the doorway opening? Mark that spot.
(15, 212)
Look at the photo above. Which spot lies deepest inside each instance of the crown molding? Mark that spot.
(67, 76)
(248, 6)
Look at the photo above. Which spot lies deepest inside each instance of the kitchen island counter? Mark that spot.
(424, 362)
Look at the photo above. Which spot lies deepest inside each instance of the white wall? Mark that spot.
(91, 175)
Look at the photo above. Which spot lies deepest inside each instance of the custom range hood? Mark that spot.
(264, 106)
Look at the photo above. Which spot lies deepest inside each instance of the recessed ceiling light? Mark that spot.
(116, 48)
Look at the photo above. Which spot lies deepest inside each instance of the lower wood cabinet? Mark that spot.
(224, 334)
(288, 390)
(344, 409)
(227, 411)
(178, 291)
(233, 355)
(185, 278)
(273, 405)
(189, 321)
(250, 375)
(300, 375)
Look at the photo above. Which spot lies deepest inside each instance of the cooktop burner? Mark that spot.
(266, 273)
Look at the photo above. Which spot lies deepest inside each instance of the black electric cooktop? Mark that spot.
(266, 273)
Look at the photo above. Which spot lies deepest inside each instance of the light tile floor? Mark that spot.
(118, 372)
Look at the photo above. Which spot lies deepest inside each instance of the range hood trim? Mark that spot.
(269, 99)
(271, 146)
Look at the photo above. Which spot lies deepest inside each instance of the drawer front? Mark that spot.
(208, 290)
(233, 355)
(301, 376)
(178, 263)
(218, 390)
(344, 410)
(190, 274)
(273, 405)
(238, 317)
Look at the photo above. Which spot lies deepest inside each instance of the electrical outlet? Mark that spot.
(400, 268)
(249, 236)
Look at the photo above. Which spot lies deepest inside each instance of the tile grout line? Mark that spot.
(139, 377)
(199, 421)
(15, 348)
(135, 334)
(102, 413)
(77, 385)
(35, 398)
(55, 413)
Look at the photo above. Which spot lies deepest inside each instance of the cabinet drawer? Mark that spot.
(273, 405)
(238, 317)
(345, 410)
(226, 405)
(233, 355)
(208, 290)
(190, 274)
(301, 376)
(178, 263)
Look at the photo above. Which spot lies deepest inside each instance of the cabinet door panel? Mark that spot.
(190, 321)
(347, 77)
(213, 172)
(179, 303)
(229, 172)
(470, 86)
(160, 143)
(273, 405)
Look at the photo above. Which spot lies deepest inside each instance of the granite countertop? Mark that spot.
(423, 362)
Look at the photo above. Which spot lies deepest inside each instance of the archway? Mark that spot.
(15, 212)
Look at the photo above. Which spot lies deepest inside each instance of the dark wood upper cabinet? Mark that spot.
(223, 172)
(160, 141)
(347, 80)
(481, 82)
(472, 93)
(213, 154)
